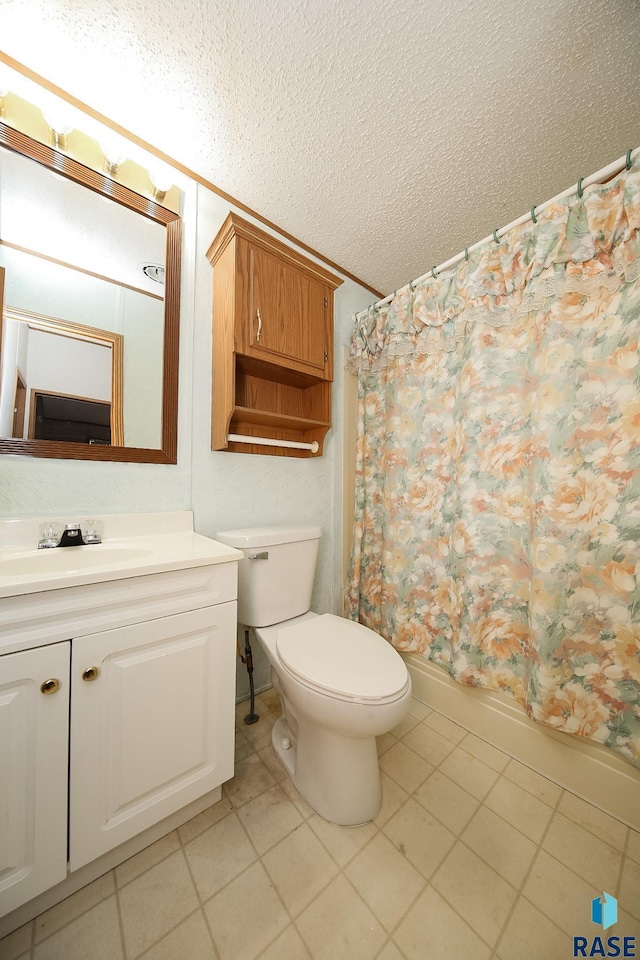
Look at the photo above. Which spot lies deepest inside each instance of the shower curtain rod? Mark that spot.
(599, 176)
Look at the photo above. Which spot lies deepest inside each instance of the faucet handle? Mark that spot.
(92, 531)
(50, 534)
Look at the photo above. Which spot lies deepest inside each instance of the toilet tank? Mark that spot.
(275, 578)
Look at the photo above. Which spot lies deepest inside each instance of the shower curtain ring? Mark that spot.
(495, 235)
(533, 214)
(433, 272)
(580, 190)
(466, 254)
(628, 160)
(410, 286)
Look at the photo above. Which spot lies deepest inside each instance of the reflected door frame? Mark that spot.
(78, 331)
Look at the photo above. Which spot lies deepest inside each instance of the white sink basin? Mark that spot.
(69, 559)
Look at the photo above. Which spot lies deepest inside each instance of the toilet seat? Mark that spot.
(343, 659)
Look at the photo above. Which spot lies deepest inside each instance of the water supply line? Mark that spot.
(247, 659)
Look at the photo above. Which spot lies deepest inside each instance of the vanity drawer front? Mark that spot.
(53, 615)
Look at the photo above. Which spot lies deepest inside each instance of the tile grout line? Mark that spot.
(389, 933)
(201, 902)
(424, 887)
(264, 867)
(520, 889)
(623, 861)
(458, 837)
(460, 744)
(340, 869)
(83, 913)
(480, 803)
(464, 919)
(152, 946)
(525, 790)
(434, 766)
(120, 920)
(150, 867)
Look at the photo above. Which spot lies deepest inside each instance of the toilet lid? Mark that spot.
(342, 657)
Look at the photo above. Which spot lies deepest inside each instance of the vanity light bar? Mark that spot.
(267, 442)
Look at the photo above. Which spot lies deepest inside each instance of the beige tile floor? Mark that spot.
(472, 856)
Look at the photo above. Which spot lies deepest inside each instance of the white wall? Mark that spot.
(64, 365)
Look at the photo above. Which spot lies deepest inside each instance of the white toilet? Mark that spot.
(341, 685)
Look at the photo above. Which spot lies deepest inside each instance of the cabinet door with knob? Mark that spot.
(34, 736)
(149, 703)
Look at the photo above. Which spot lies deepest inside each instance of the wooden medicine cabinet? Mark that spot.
(272, 343)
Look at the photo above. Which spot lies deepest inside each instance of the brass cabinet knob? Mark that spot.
(90, 673)
(50, 686)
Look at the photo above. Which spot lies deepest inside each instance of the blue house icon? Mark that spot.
(604, 910)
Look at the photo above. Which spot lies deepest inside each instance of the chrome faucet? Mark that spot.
(73, 535)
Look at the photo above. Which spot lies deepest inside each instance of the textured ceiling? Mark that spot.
(386, 134)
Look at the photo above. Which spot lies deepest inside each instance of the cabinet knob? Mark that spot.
(50, 686)
(259, 333)
(90, 673)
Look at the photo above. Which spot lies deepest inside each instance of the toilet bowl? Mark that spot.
(340, 684)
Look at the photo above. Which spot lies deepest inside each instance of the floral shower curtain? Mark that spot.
(497, 528)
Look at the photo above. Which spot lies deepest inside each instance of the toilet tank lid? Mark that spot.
(250, 537)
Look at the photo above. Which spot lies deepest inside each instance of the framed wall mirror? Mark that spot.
(89, 326)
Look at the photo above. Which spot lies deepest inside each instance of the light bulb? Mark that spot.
(60, 121)
(161, 180)
(115, 153)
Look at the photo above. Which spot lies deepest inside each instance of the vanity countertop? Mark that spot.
(133, 546)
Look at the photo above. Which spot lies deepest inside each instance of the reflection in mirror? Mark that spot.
(60, 381)
(88, 359)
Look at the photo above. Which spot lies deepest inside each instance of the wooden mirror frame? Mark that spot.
(65, 166)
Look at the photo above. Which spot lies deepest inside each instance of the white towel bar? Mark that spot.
(267, 442)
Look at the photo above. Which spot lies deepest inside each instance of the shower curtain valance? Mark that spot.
(576, 246)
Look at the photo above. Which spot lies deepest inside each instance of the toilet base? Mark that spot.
(338, 776)
(280, 734)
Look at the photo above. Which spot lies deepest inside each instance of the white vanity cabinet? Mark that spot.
(34, 733)
(116, 713)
